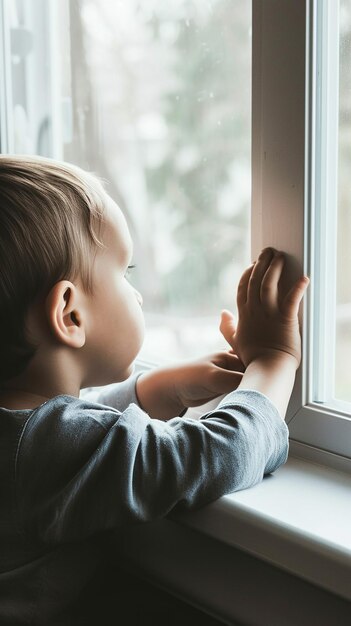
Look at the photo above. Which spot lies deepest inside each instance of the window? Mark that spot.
(155, 98)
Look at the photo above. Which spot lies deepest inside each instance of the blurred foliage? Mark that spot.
(186, 66)
(207, 121)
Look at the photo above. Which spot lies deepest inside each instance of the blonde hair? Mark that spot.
(49, 214)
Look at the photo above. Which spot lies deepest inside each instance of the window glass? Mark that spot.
(155, 98)
(30, 77)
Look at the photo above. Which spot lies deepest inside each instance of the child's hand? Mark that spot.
(165, 391)
(265, 327)
(199, 381)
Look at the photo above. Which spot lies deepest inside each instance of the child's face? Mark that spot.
(117, 323)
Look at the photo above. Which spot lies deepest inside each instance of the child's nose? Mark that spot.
(139, 297)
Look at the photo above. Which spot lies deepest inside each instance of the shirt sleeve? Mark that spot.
(118, 395)
(84, 467)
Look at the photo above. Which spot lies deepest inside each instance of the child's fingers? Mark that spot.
(228, 360)
(243, 285)
(254, 286)
(269, 285)
(291, 302)
(233, 363)
(227, 326)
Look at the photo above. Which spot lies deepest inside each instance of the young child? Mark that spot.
(72, 470)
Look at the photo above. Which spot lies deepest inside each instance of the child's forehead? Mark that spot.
(116, 236)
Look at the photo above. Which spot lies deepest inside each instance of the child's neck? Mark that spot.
(17, 400)
(38, 383)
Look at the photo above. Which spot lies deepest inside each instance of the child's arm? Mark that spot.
(267, 338)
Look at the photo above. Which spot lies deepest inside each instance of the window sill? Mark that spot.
(298, 519)
(278, 553)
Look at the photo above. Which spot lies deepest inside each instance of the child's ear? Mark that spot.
(64, 314)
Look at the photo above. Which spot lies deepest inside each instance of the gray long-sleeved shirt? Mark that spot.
(72, 469)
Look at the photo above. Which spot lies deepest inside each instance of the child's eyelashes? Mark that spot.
(129, 270)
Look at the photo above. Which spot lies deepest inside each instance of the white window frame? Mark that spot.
(286, 187)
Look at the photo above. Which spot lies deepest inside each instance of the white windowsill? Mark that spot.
(297, 519)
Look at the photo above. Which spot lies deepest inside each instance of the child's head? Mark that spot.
(64, 251)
